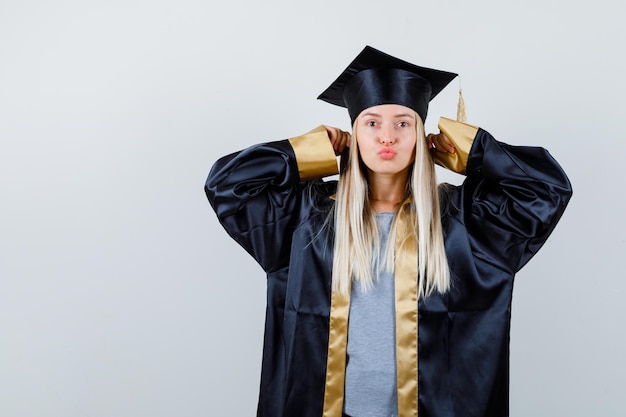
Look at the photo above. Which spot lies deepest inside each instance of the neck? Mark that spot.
(387, 192)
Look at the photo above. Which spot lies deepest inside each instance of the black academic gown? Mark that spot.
(267, 199)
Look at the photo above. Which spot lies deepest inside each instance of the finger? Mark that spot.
(447, 143)
(342, 141)
(332, 133)
(339, 139)
(430, 143)
(342, 138)
(346, 139)
(443, 144)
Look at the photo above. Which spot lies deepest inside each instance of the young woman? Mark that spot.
(387, 295)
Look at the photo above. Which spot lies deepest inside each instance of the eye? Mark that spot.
(403, 124)
(371, 123)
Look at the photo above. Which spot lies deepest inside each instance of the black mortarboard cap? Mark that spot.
(375, 78)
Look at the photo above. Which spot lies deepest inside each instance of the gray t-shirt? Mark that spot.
(370, 385)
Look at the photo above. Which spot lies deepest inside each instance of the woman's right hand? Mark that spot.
(338, 138)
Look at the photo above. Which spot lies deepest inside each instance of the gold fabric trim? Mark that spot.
(462, 136)
(336, 362)
(314, 154)
(406, 293)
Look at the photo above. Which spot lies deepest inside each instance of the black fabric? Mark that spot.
(373, 87)
(375, 78)
(495, 222)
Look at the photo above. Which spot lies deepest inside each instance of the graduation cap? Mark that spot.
(375, 78)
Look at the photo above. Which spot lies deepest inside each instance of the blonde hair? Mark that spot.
(356, 250)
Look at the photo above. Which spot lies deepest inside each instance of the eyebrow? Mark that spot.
(397, 116)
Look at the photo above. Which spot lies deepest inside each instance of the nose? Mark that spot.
(387, 135)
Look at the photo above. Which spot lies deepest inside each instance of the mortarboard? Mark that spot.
(375, 78)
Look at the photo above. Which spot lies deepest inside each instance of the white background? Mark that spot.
(120, 295)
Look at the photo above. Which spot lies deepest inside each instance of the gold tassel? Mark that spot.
(461, 116)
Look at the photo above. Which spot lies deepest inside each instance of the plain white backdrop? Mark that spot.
(120, 294)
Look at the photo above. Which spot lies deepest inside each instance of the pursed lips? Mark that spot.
(387, 152)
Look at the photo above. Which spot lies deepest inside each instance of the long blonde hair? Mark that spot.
(356, 250)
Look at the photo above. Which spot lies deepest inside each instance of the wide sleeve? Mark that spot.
(462, 137)
(512, 197)
(256, 193)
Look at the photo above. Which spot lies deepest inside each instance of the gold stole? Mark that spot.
(406, 331)
(406, 318)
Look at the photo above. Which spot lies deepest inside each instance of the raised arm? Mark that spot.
(256, 193)
(513, 196)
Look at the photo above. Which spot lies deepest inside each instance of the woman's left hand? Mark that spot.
(440, 143)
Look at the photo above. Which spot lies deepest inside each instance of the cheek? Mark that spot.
(410, 149)
(413, 146)
(363, 146)
(412, 159)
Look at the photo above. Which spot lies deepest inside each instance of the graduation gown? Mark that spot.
(270, 198)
